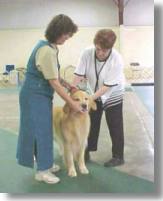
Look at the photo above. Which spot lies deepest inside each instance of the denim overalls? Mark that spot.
(36, 131)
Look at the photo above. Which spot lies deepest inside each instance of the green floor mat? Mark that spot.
(17, 179)
(9, 90)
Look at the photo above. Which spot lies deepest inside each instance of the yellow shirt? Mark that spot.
(46, 61)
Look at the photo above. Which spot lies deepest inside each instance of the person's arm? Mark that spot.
(102, 90)
(77, 79)
(97, 94)
(80, 71)
(61, 92)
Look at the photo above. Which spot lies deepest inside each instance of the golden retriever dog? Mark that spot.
(72, 130)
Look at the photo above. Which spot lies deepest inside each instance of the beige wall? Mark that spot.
(71, 51)
(135, 43)
(16, 45)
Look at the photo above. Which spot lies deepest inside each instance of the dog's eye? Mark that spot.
(77, 99)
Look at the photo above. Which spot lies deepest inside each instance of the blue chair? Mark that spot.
(10, 67)
(6, 73)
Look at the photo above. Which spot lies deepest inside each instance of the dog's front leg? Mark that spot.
(69, 161)
(81, 162)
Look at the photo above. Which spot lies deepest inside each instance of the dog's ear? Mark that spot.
(92, 104)
(66, 108)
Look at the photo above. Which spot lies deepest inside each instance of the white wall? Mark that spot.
(137, 45)
(37, 13)
(139, 13)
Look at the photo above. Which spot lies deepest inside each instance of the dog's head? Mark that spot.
(84, 100)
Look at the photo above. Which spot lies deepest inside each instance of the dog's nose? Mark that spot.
(84, 106)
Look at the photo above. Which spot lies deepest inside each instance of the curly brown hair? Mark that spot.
(59, 25)
(105, 38)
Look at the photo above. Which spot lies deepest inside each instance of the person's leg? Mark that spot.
(114, 118)
(43, 133)
(95, 117)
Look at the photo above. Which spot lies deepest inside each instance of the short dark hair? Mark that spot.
(59, 25)
(105, 38)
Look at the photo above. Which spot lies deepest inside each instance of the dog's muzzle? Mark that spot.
(84, 107)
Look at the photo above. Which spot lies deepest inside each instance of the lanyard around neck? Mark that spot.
(98, 73)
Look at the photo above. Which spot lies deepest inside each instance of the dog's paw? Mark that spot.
(72, 173)
(84, 170)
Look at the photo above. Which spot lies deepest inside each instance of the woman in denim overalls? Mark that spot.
(36, 133)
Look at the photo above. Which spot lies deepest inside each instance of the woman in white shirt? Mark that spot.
(102, 66)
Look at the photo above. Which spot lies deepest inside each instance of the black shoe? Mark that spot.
(114, 162)
(87, 156)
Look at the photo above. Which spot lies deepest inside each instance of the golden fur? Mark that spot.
(71, 132)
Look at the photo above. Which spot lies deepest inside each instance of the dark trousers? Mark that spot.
(114, 119)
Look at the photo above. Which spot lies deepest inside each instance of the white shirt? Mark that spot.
(111, 74)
